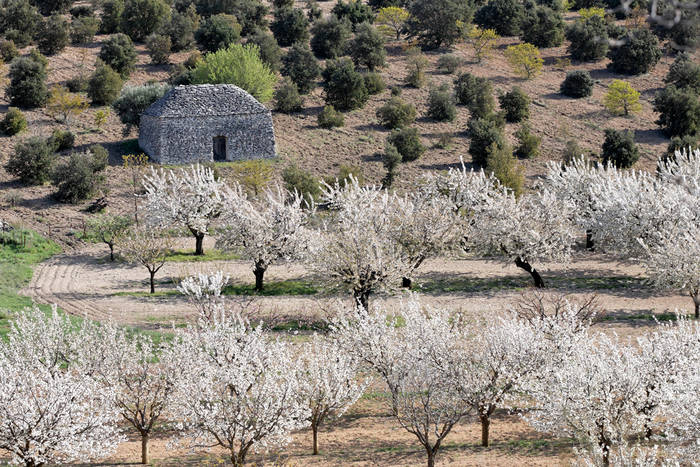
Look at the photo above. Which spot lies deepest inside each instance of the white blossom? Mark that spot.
(204, 292)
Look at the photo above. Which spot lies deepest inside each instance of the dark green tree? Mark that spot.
(302, 67)
(344, 87)
(367, 47)
(329, 37)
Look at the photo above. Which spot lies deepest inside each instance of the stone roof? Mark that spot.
(205, 100)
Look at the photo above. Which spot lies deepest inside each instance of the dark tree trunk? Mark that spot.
(485, 424)
(539, 283)
(406, 282)
(590, 245)
(153, 281)
(362, 298)
(144, 448)
(199, 244)
(696, 301)
(259, 272)
(314, 430)
(111, 251)
(431, 458)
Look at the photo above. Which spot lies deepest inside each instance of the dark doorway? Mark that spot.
(219, 148)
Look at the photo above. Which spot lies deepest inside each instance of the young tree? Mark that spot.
(267, 231)
(367, 47)
(505, 16)
(328, 382)
(391, 20)
(63, 105)
(147, 248)
(27, 88)
(622, 98)
(191, 197)
(302, 67)
(482, 41)
(108, 229)
(525, 60)
(204, 292)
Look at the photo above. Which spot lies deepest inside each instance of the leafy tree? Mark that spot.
(367, 47)
(441, 104)
(482, 41)
(19, 21)
(684, 33)
(501, 163)
(31, 161)
(391, 160)
(240, 65)
(679, 111)
(476, 93)
(13, 122)
(108, 229)
(270, 51)
(134, 100)
(684, 73)
(104, 85)
(528, 143)
(577, 84)
(344, 87)
(416, 63)
(330, 118)
(181, 28)
(503, 16)
(355, 11)
(287, 98)
(111, 19)
(302, 67)
(302, 182)
(588, 39)
(525, 60)
(543, 27)
(83, 29)
(515, 104)
(483, 132)
(434, 22)
(218, 32)
(63, 106)
(141, 18)
(159, 48)
(80, 176)
(392, 21)
(621, 98)
(290, 26)
(329, 37)
(619, 149)
(396, 113)
(407, 142)
(639, 53)
(54, 35)
(27, 88)
(251, 14)
(118, 52)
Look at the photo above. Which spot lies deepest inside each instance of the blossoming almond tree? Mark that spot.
(189, 197)
(146, 247)
(204, 292)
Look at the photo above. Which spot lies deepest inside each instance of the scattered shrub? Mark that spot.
(684, 73)
(543, 27)
(49, 7)
(240, 65)
(501, 163)
(218, 32)
(396, 90)
(416, 64)
(679, 143)
(588, 39)
(290, 26)
(13, 122)
(679, 111)
(134, 100)
(685, 34)
(27, 86)
(619, 149)
(142, 18)
(158, 47)
(448, 63)
(436, 22)
(181, 28)
(577, 84)
(270, 52)
(344, 87)
(503, 16)
(302, 67)
(104, 85)
(374, 83)
(344, 174)
(287, 98)
(528, 143)
(8, 50)
(63, 105)
(444, 141)
(77, 83)
(638, 53)
(251, 14)
(441, 104)
(396, 113)
(515, 105)
(392, 20)
(302, 182)
(330, 118)
(313, 11)
(329, 37)
(391, 160)
(83, 30)
(19, 21)
(61, 140)
(31, 161)
(622, 98)
(79, 176)
(110, 21)
(354, 11)
(525, 60)
(119, 54)
(572, 151)
(54, 35)
(407, 142)
(475, 93)
(482, 41)
(367, 47)
(483, 132)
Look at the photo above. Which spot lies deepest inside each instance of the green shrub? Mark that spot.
(8, 51)
(104, 85)
(134, 100)
(680, 143)
(218, 32)
(119, 54)
(407, 142)
(31, 161)
(240, 65)
(192, 60)
(367, 47)
(504, 16)
(49, 7)
(396, 113)
(416, 63)
(270, 52)
(483, 132)
(110, 21)
(158, 47)
(302, 67)
(81, 11)
(344, 87)
(679, 111)
(54, 35)
(77, 84)
(685, 34)
(577, 84)
(448, 63)
(313, 11)
(501, 163)
(282, 3)
(515, 105)
(619, 149)
(354, 11)
(329, 37)
(374, 83)
(435, 22)
(543, 27)
(588, 39)
(83, 30)
(528, 143)
(181, 29)
(344, 174)
(20, 21)
(684, 73)
(302, 182)
(290, 26)
(572, 151)
(141, 18)
(475, 93)
(441, 105)
(61, 140)
(639, 53)
(287, 98)
(330, 118)
(14, 122)
(27, 87)
(79, 176)
(391, 160)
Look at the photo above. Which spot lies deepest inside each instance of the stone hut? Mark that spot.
(208, 122)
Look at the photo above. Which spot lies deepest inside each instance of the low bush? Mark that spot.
(61, 140)
(407, 142)
(8, 50)
(638, 53)
(483, 132)
(134, 100)
(448, 63)
(218, 32)
(515, 105)
(159, 48)
(83, 30)
(119, 53)
(330, 118)
(577, 84)
(77, 83)
(302, 182)
(270, 51)
(391, 160)
(396, 113)
(367, 47)
(54, 35)
(679, 111)
(13, 122)
(441, 104)
(684, 73)
(79, 176)
(374, 83)
(104, 85)
(31, 161)
(287, 98)
(416, 63)
(329, 37)
(475, 93)
(528, 143)
(619, 149)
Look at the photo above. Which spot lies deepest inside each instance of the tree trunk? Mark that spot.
(153, 281)
(606, 454)
(539, 283)
(199, 244)
(406, 282)
(590, 245)
(259, 272)
(431, 457)
(111, 251)
(696, 301)
(485, 424)
(144, 448)
(314, 429)
(361, 297)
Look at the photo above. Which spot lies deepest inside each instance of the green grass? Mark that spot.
(184, 256)
(273, 288)
(644, 317)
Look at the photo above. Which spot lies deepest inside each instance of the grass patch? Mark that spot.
(188, 256)
(300, 326)
(644, 317)
(290, 287)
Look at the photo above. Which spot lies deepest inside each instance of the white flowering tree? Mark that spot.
(191, 197)
(237, 388)
(204, 292)
(148, 248)
(268, 231)
(52, 411)
(329, 382)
